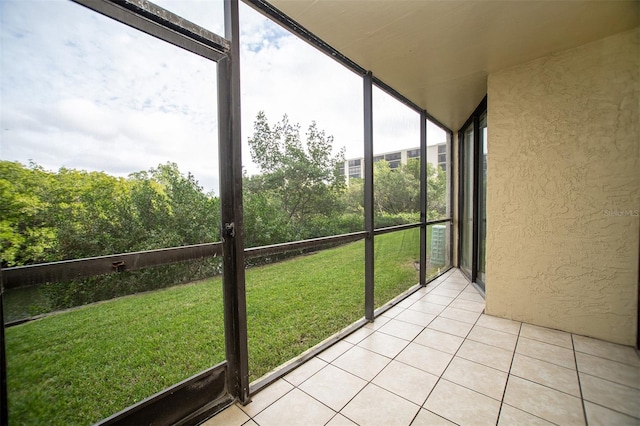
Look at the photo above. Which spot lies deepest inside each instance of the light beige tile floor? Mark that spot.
(437, 359)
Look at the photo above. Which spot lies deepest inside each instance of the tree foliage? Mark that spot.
(300, 177)
(71, 214)
(49, 216)
(396, 192)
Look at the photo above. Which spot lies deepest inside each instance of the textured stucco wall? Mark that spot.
(564, 190)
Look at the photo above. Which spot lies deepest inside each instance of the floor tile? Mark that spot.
(377, 323)
(295, 408)
(427, 307)
(457, 278)
(480, 378)
(335, 351)
(439, 300)
(305, 371)
(624, 354)
(415, 317)
(418, 294)
(333, 387)
(231, 416)
(499, 324)
(427, 359)
(441, 291)
(340, 420)
(546, 352)
(401, 329)
(358, 335)
(406, 381)
(468, 305)
(547, 335)
(490, 356)
(267, 397)
(547, 374)
(392, 312)
(384, 344)
(614, 371)
(461, 405)
(541, 401)
(611, 395)
(407, 302)
(376, 406)
(250, 423)
(361, 362)
(444, 342)
(452, 285)
(460, 315)
(455, 327)
(512, 416)
(601, 416)
(427, 418)
(491, 337)
(472, 296)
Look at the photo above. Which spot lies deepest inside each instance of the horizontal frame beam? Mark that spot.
(163, 24)
(23, 276)
(254, 252)
(277, 16)
(186, 403)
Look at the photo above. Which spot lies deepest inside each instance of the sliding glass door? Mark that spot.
(466, 218)
(482, 198)
(473, 182)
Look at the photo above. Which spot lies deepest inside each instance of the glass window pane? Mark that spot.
(397, 262)
(295, 304)
(109, 145)
(302, 144)
(396, 173)
(302, 157)
(438, 173)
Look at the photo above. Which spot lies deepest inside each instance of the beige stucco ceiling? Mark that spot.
(438, 53)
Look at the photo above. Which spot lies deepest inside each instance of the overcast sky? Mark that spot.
(79, 90)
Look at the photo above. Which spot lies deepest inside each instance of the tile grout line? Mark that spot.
(504, 392)
(575, 360)
(451, 360)
(420, 406)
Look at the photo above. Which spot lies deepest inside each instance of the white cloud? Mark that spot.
(82, 91)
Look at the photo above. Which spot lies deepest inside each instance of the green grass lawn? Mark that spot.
(83, 365)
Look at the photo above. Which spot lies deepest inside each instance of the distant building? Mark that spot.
(436, 155)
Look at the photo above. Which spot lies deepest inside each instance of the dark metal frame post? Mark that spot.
(368, 198)
(423, 198)
(451, 175)
(235, 305)
(475, 207)
(4, 410)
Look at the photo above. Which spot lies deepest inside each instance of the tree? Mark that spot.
(301, 177)
(397, 191)
(27, 234)
(436, 192)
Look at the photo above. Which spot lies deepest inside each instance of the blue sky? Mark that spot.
(82, 91)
